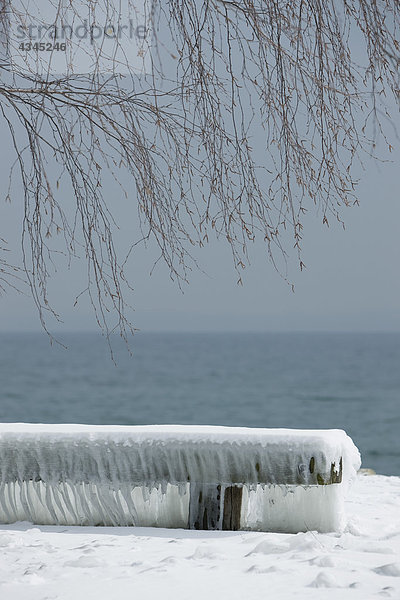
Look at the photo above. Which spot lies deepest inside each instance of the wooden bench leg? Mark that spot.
(214, 507)
(232, 508)
(205, 506)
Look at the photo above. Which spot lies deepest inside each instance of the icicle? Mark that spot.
(65, 494)
(24, 501)
(145, 493)
(97, 505)
(76, 514)
(49, 501)
(57, 502)
(12, 499)
(3, 503)
(86, 505)
(126, 492)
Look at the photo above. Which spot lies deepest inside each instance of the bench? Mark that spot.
(196, 477)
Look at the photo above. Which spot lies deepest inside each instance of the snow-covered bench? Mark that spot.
(175, 476)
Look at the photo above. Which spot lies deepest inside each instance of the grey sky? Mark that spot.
(351, 282)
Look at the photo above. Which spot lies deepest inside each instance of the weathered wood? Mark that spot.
(335, 476)
(232, 508)
(205, 506)
(215, 507)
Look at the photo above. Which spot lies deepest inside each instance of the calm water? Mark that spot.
(347, 381)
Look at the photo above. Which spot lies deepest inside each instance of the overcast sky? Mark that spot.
(351, 282)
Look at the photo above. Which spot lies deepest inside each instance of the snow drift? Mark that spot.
(176, 476)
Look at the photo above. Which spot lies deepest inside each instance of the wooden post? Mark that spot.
(232, 508)
(215, 507)
(205, 506)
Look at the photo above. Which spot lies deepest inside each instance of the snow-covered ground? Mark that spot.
(74, 563)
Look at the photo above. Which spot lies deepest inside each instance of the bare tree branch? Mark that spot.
(253, 113)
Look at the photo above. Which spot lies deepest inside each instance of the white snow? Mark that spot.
(99, 563)
(115, 475)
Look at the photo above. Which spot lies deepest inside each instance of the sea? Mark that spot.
(291, 380)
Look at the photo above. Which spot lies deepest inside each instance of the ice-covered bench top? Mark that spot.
(175, 454)
(77, 471)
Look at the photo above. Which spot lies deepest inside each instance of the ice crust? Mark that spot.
(293, 480)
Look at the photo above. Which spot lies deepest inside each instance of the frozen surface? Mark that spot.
(73, 563)
(292, 480)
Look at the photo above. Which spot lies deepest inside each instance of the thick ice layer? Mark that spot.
(175, 476)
